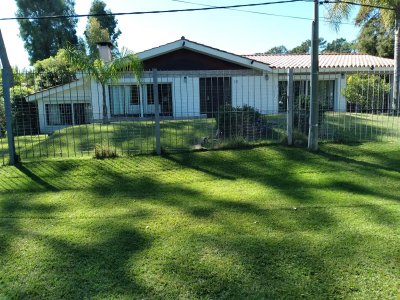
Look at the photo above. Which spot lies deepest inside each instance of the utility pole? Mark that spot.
(314, 101)
(7, 81)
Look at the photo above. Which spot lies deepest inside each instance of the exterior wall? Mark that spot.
(76, 94)
(256, 91)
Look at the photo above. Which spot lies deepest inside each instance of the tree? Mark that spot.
(95, 34)
(367, 92)
(104, 72)
(277, 50)
(53, 71)
(44, 37)
(374, 39)
(339, 45)
(305, 47)
(105, 27)
(368, 10)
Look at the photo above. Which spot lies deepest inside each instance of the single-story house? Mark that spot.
(194, 80)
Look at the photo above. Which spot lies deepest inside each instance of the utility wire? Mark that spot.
(263, 13)
(150, 12)
(358, 4)
(247, 11)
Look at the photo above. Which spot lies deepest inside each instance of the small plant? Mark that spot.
(101, 152)
(238, 121)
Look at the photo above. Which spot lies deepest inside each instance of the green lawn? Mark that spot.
(360, 127)
(129, 138)
(271, 222)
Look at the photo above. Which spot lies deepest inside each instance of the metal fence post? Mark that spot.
(156, 112)
(7, 81)
(290, 97)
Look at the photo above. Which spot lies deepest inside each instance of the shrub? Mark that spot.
(367, 92)
(238, 121)
(101, 152)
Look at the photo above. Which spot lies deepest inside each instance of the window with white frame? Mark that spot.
(58, 114)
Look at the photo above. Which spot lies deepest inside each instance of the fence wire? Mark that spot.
(68, 115)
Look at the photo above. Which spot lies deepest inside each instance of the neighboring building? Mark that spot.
(195, 80)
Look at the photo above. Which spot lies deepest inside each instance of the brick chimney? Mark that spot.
(105, 51)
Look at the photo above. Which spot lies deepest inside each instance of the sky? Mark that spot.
(234, 31)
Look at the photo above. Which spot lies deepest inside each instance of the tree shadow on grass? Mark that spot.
(223, 248)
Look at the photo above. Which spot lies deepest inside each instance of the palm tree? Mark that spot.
(388, 11)
(105, 72)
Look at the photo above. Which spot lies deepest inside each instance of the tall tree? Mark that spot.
(388, 12)
(94, 34)
(108, 23)
(339, 45)
(375, 39)
(44, 37)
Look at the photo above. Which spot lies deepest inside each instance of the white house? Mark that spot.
(194, 80)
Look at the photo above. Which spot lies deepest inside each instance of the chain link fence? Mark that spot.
(64, 115)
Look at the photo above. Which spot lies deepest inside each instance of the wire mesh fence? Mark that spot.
(71, 115)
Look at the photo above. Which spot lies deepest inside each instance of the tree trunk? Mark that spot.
(396, 79)
(105, 110)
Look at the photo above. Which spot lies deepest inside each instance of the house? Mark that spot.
(195, 80)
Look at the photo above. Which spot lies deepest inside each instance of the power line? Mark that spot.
(358, 4)
(150, 12)
(247, 11)
(264, 13)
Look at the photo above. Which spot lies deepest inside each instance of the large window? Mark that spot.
(302, 90)
(124, 100)
(58, 114)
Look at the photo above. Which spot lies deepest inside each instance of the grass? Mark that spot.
(138, 137)
(270, 222)
(360, 127)
(123, 138)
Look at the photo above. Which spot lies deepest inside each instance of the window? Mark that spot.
(135, 95)
(124, 99)
(164, 96)
(58, 114)
(302, 90)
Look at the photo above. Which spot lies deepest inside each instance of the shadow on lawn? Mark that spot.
(233, 248)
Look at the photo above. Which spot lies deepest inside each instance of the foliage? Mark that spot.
(366, 91)
(104, 151)
(43, 38)
(375, 39)
(375, 21)
(305, 47)
(22, 87)
(104, 72)
(277, 50)
(53, 71)
(238, 121)
(101, 29)
(340, 45)
(94, 34)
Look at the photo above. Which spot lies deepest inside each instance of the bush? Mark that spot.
(101, 152)
(238, 121)
(367, 92)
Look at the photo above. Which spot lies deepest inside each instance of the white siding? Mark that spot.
(255, 91)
